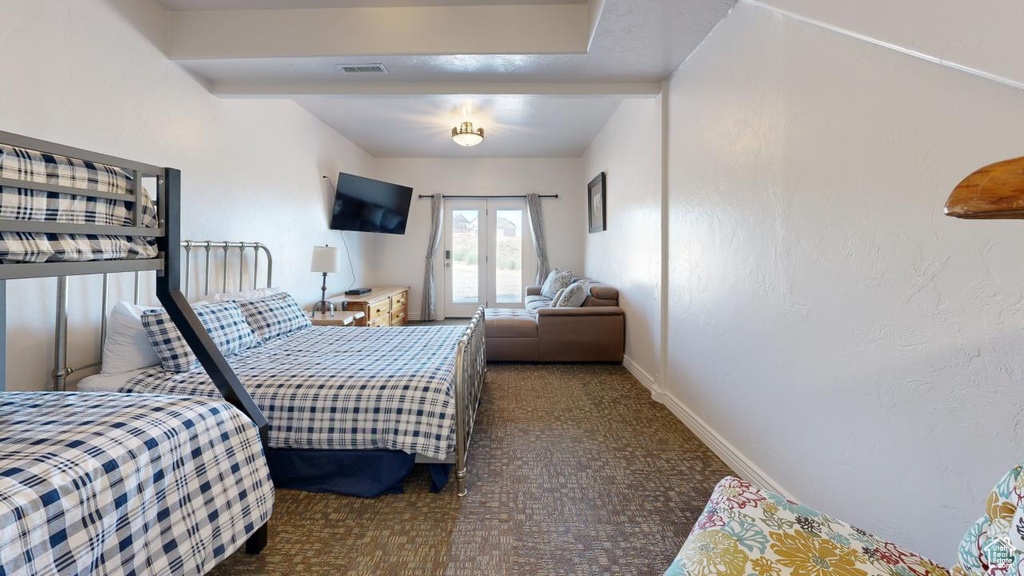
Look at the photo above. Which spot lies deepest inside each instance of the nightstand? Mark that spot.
(383, 306)
(340, 318)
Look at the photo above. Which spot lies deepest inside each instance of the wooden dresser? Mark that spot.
(383, 306)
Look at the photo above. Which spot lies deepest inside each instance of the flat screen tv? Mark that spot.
(366, 205)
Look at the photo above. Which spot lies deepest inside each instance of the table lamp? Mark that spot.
(326, 260)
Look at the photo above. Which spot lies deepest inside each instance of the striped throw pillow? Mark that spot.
(274, 316)
(223, 321)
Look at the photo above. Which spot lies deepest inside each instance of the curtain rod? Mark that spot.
(484, 197)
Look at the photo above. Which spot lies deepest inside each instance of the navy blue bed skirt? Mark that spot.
(363, 473)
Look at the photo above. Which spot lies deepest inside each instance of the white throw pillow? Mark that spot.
(556, 280)
(574, 296)
(558, 296)
(244, 295)
(127, 346)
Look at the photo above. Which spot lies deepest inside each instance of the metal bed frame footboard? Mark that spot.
(167, 264)
(470, 376)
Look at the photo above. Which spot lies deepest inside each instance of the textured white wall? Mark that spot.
(983, 36)
(628, 254)
(399, 260)
(824, 316)
(82, 75)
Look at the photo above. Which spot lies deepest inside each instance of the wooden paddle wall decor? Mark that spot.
(995, 191)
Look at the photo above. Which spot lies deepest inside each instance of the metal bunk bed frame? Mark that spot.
(167, 266)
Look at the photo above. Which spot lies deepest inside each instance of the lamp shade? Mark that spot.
(326, 259)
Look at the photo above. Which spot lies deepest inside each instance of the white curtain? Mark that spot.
(433, 244)
(537, 231)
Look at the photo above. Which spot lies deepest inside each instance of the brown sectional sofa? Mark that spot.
(594, 332)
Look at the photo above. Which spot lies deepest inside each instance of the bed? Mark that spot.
(115, 483)
(320, 454)
(106, 484)
(334, 396)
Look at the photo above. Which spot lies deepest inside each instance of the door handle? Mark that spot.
(447, 254)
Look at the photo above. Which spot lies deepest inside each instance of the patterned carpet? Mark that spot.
(573, 470)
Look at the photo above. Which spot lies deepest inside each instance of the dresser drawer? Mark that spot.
(382, 308)
(399, 317)
(399, 301)
(380, 321)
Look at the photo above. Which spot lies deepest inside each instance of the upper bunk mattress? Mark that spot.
(122, 484)
(338, 388)
(25, 203)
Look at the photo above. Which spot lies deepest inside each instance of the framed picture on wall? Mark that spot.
(598, 204)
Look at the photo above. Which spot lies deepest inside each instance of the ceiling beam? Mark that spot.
(389, 31)
(343, 89)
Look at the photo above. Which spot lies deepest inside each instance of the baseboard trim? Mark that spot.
(640, 374)
(732, 457)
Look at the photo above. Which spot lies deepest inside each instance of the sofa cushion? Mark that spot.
(745, 530)
(510, 323)
(538, 304)
(556, 281)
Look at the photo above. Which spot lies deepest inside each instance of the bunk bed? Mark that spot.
(351, 410)
(115, 483)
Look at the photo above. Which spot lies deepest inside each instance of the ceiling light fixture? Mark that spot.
(464, 135)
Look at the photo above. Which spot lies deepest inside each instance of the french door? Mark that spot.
(488, 254)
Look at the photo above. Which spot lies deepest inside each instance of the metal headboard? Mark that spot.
(207, 249)
(213, 254)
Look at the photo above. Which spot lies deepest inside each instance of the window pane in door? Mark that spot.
(465, 256)
(509, 265)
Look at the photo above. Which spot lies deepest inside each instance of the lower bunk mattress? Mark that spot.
(100, 483)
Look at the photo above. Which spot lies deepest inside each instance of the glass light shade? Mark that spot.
(464, 135)
(326, 259)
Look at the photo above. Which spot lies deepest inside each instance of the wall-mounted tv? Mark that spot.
(366, 205)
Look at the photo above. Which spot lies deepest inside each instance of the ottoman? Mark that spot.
(511, 335)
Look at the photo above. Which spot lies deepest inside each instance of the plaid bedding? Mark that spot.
(99, 483)
(338, 388)
(25, 203)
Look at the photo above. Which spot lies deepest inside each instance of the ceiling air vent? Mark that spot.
(363, 68)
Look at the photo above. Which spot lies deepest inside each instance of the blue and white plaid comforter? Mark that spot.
(122, 484)
(27, 203)
(343, 388)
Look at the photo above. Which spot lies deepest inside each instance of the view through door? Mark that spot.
(488, 254)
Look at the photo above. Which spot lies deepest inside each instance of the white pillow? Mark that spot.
(556, 298)
(127, 346)
(574, 296)
(244, 295)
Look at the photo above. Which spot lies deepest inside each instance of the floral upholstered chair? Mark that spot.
(745, 531)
